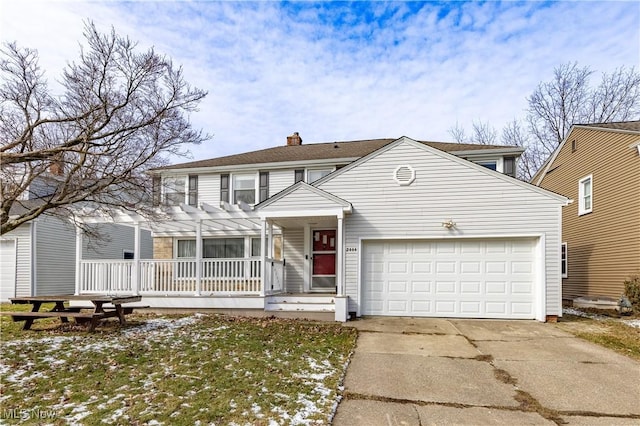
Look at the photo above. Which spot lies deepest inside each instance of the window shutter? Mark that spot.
(264, 186)
(156, 182)
(510, 166)
(299, 175)
(224, 188)
(193, 190)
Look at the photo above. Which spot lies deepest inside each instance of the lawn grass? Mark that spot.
(609, 333)
(178, 370)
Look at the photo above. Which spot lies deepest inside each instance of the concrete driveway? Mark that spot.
(419, 371)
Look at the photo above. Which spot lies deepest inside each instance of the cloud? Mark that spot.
(343, 71)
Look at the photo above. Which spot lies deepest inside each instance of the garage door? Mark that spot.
(489, 278)
(7, 269)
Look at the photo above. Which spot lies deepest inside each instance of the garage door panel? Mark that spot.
(472, 308)
(446, 267)
(454, 278)
(470, 287)
(421, 307)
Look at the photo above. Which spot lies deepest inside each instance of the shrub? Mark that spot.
(632, 291)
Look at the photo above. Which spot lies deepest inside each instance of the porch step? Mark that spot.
(300, 303)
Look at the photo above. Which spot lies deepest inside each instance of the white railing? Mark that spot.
(106, 276)
(172, 276)
(274, 279)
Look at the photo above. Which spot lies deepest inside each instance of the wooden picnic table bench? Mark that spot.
(95, 314)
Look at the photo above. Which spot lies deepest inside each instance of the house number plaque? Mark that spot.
(351, 249)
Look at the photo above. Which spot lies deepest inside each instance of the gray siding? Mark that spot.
(117, 239)
(54, 256)
(480, 203)
(280, 180)
(23, 258)
(294, 256)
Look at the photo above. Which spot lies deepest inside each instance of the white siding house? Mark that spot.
(39, 257)
(378, 227)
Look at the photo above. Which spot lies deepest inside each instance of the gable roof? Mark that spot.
(324, 151)
(633, 126)
(622, 126)
(428, 148)
(305, 187)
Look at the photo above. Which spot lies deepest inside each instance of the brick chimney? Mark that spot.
(294, 139)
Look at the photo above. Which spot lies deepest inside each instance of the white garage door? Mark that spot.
(7, 269)
(489, 278)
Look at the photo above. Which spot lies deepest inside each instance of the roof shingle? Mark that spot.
(318, 151)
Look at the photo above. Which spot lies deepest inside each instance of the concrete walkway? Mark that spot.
(419, 371)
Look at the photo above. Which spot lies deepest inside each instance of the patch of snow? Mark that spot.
(632, 323)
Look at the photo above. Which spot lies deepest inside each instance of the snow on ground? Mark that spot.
(572, 311)
(52, 353)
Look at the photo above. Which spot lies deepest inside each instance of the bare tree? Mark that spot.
(568, 99)
(120, 113)
(458, 134)
(515, 133)
(482, 133)
(555, 106)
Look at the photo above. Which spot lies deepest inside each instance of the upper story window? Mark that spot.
(244, 188)
(492, 165)
(173, 190)
(314, 175)
(585, 195)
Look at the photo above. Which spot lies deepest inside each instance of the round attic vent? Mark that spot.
(404, 175)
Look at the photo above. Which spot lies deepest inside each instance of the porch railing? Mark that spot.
(177, 276)
(274, 279)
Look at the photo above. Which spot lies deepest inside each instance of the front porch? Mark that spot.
(227, 258)
(226, 285)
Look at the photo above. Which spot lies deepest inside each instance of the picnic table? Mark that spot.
(92, 315)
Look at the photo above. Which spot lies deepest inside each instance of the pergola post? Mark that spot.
(198, 257)
(263, 256)
(135, 273)
(78, 260)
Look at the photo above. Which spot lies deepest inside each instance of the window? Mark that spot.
(224, 188)
(585, 195)
(563, 261)
(186, 249)
(244, 189)
(174, 190)
(493, 165)
(264, 186)
(314, 175)
(193, 190)
(509, 166)
(299, 175)
(223, 247)
(277, 247)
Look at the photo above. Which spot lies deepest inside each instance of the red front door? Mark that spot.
(323, 253)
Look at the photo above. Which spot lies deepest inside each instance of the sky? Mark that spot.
(338, 71)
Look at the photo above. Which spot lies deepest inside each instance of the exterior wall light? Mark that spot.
(450, 224)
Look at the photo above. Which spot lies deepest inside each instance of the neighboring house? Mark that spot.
(598, 167)
(373, 227)
(39, 257)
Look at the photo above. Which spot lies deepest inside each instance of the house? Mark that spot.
(597, 166)
(39, 257)
(372, 227)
